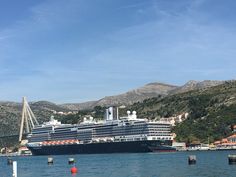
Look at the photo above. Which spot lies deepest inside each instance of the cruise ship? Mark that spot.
(114, 134)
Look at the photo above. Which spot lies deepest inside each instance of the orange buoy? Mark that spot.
(73, 170)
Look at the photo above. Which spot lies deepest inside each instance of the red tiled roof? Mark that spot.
(232, 136)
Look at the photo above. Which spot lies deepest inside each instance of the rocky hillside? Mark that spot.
(128, 98)
(138, 95)
(212, 111)
(80, 106)
(10, 114)
(193, 85)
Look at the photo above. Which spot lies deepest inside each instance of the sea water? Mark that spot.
(209, 164)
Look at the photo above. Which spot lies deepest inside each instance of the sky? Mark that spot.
(69, 51)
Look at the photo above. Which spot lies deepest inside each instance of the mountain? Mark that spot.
(138, 95)
(49, 106)
(193, 85)
(212, 111)
(80, 106)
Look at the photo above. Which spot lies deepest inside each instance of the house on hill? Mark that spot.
(228, 142)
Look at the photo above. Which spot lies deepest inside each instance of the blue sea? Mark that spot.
(209, 164)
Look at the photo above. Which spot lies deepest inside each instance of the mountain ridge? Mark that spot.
(135, 95)
(150, 90)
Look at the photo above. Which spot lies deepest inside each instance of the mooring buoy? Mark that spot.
(232, 159)
(9, 161)
(192, 160)
(73, 170)
(50, 160)
(71, 161)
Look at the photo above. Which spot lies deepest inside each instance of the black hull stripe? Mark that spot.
(108, 147)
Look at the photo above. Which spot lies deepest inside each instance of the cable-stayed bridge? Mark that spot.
(28, 121)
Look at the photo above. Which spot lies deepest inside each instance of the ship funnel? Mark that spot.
(109, 114)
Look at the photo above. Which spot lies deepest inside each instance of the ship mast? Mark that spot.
(28, 119)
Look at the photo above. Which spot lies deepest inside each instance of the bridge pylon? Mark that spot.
(28, 119)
